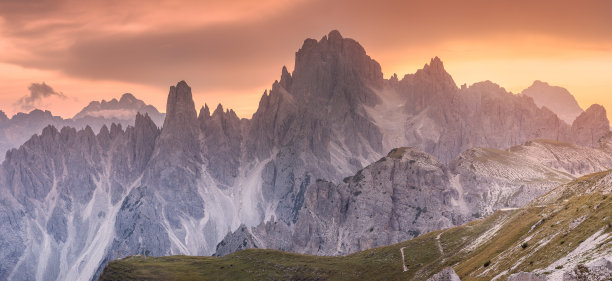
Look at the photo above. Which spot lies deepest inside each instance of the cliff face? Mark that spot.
(67, 186)
(427, 111)
(590, 126)
(409, 193)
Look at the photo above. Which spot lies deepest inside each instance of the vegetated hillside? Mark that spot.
(549, 237)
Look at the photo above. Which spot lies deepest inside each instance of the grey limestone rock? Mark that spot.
(223, 140)
(526, 276)
(409, 192)
(447, 274)
(600, 269)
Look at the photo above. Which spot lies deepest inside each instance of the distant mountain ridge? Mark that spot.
(76, 199)
(555, 98)
(16, 130)
(123, 109)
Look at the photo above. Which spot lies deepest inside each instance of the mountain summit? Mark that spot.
(180, 110)
(557, 99)
(117, 110)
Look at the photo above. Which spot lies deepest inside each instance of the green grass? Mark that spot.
(501, 250)
(256, 264)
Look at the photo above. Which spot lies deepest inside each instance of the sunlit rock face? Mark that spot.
(311, 172)
(590, 126)
(555, 98)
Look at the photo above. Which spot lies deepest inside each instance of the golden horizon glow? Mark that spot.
(230, 54)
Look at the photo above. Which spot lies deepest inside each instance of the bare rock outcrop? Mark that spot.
(590, 126)
(447, 274)
(600, 269)
(526, 276)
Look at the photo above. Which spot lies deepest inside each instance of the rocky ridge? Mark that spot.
(117, 111)
(409, 192)
(17, 130)
(555, 98)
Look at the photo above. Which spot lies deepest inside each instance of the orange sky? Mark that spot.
(231, 53)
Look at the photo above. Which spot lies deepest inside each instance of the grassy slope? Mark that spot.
(549, 240)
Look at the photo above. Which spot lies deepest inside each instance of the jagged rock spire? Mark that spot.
(181, 115)
(3, 116)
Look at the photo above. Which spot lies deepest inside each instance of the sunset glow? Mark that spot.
(231, 53)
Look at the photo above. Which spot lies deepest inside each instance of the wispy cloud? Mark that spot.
(38, 92)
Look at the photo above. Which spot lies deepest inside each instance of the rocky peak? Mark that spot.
(35, 114)
(104, 137)
(596, 110)
(488, 87)
(104, 131)
(122, 111)
(180, 110)
(179, 141)
(331, 61)
(435, 75)
(143, 136)
(49, 132)
(334, 37)
(218, 110)
(115, 130)
(394, 78)
(204, 113)
(557, 99)
(224, 115)
(590, 126)
(285, 81)
(322, 101)
(143, 120)
(429, 86)
(3, 116)
(128, 98)
(435, 65)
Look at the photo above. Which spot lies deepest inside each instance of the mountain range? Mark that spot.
(335, 160)
(18, 129)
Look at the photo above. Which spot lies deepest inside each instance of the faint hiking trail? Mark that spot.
(439, 245)
(403, 260)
